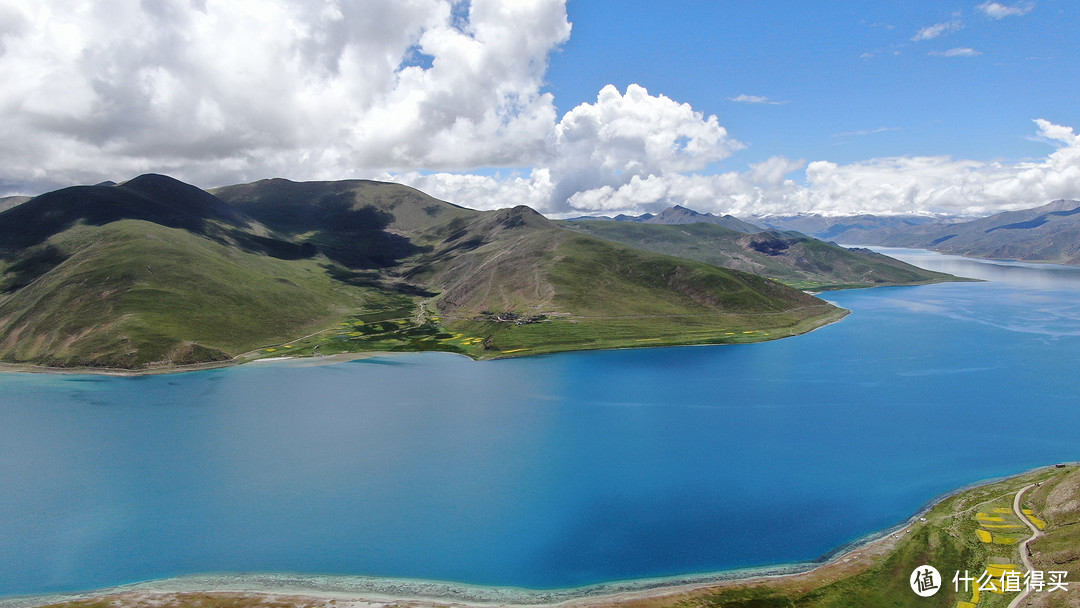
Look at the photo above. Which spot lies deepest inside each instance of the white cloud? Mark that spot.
(996, 10)
(755, 99)
(771, 172)
(1050, 132)
(423, 92)
(632, 135)
(957, 52)
(482, 191)
(624, 151)
(921, 184)
(942, 184)
(933, 31)
(230, 89)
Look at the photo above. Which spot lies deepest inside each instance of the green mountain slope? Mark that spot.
(154, 273)
(790, 257)
(504, 268)
(133, 294)
(518, 282)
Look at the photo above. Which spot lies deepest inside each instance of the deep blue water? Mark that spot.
(550, 471)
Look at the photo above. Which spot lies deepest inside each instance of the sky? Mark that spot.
(573, 107)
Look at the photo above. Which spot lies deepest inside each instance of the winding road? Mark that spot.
(1035, 533)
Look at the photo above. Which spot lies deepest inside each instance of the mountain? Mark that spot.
(681, 215)
(8, 202)
(854, 229)
(150, 273)
(494, 271)
(153, 273)
(790, 257)
(1050, 233)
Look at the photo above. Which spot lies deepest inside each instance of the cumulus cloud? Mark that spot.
(483, 191)
(633, 135)
(933, 31)
(921, 184)
(224, 90)
(942, 184)
(624, 151)
(423, 92)
(996, 10)
(957, 52)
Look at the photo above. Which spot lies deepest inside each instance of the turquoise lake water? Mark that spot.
(545, 472)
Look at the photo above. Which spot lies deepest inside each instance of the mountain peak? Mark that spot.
(521, 216)
(181, 197)
(677, 214)
(1061, 205)
(685, 210)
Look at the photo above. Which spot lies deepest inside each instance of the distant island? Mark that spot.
(155, 273)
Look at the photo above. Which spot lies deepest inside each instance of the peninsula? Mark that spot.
(156, 274)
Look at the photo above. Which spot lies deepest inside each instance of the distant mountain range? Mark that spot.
(849, 228)
(1050, 233)
(681, 215)
(154, 273)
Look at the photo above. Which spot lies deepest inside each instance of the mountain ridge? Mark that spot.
(677, 214)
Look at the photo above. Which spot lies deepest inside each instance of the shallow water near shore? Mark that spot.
(544, 472)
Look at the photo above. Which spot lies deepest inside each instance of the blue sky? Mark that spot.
(570, 106)
(841, 68)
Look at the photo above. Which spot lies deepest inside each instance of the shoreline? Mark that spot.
(29, 368)
(373, 592)
(979, 258)
(6, 367)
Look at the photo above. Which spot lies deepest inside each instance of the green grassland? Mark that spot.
(789, 257)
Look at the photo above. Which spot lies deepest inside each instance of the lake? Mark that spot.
(545, 472)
